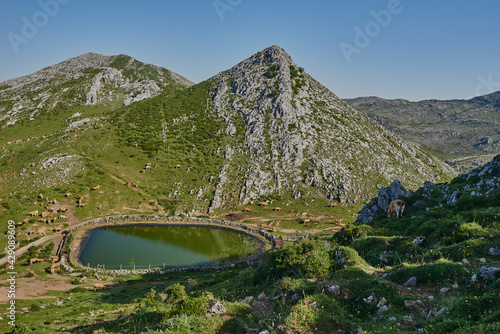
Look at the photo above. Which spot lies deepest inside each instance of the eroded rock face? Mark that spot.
(289, 133)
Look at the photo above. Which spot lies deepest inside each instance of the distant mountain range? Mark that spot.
(458, 130)
(263, 130)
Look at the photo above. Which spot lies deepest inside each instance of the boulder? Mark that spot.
(216, 308)
(262, 296)
(385, 196)
(489, 272)
(409, 304)
(411, 282)
(382, 309)
(333, 288)
(370, 299)
(494, 251)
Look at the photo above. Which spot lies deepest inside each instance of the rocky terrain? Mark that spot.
(465, 132)
(88, 80)
(287, 132)
(263, 130)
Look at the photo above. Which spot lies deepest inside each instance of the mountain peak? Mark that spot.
(274, 54)
(294, 135)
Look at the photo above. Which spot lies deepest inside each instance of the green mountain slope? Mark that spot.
(265, 128)
(261, 131)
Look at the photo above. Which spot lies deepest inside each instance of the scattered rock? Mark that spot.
(430, 298)
(494, 251)
(409, 304)
(334, 288)
(441, 311)
(419, 303)
(411, 282)
(296, 298)
(408, 321)
(264, 332)
(262, 296)
(392, 319)
(489, 272)
(473, 279)
(444, 290)
(381, 302)
(482, 260)
(248, 300)
(371, 299)
(420, 240)
(382, 309)
(455, 286)
(216, 308)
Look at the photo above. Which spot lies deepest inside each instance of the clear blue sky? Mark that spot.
(426, 49)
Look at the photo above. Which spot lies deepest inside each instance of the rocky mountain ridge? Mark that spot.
(460, 130)
(299, 136)
(90, 79)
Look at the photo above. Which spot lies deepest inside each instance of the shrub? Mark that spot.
(35, 307)
(194, 306)
(467, 231)
(317, 264)
(33, 251)
(175, 293)
(347, 234)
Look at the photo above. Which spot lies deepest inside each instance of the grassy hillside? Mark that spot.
(351, 281)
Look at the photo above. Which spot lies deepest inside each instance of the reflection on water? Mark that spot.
(169, 245)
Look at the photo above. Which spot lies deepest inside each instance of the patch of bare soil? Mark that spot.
(33, 287)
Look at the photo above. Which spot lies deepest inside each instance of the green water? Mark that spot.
(169, 245)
